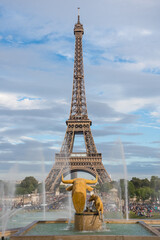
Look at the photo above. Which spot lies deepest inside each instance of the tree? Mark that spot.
(136, 182)
(106, 187)
(138, 194)
(145, 193)
(20, 190)
(145, 183)
(27, 186)
(131, 189)
(155, 183)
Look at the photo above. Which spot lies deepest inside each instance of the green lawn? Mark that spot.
(154, 216)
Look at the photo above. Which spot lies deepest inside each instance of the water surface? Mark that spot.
(109, 229)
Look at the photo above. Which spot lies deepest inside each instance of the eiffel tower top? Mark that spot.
(78, 26)
(78, 110)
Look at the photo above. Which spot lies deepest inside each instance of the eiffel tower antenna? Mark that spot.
(78, 14)
(77, 124)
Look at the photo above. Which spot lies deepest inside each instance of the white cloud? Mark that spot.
(146, 32)
(156, 114)
(4, 129)
(27, 138)
(11, 101)
(61, 101)
(130, 33)
(13, 141)
(133, 104)
(55, 148)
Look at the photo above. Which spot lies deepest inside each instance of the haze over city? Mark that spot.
(121, 67)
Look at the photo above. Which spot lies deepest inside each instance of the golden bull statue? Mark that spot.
(78, 188)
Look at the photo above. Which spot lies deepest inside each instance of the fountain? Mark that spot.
(7, 193)
(125, 177)
(70, 209)
(117, 200)
(86, 223)
(43, 189)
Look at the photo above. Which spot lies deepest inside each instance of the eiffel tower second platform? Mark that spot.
(68, 161)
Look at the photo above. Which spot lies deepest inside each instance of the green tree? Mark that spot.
(131, 189)
(155, 183)
(20, 190)
(138, 194)
(145, 183)
(136, 182)
(27, 186)
(145, 193)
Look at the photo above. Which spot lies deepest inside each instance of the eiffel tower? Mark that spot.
(77, 124)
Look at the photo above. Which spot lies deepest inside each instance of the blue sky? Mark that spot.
(122, 79)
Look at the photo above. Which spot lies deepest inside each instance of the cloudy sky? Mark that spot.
(121, 48)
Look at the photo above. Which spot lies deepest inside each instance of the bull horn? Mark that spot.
(67, 181)
(92, 181)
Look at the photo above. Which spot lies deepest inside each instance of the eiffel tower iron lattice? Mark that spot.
(78, 123)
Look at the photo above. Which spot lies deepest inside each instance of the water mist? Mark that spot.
(43, 189)
(7, 195)
(125, 178)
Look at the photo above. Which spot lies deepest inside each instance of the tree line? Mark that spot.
(27, 186)
(142, 189)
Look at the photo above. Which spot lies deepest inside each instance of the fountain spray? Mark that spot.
(125, 178)
(7, 202)
(43, 189)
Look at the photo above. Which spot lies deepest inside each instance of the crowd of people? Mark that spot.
(144, 210)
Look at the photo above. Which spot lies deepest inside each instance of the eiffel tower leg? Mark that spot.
(89, 142)
(53, 179)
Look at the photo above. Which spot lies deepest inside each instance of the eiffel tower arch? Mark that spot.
(78, 123)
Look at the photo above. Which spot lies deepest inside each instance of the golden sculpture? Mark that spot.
(78, 188)
(98, 204)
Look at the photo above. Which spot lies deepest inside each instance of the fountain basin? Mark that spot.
(60, 229)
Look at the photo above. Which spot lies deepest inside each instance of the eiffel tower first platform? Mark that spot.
(78, 123)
